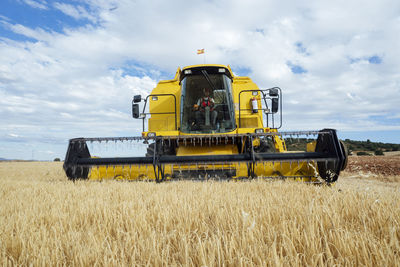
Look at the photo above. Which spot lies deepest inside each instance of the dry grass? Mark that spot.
(47, 220)
(392, 153)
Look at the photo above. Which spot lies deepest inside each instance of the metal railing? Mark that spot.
(265, 96)
(159, 113)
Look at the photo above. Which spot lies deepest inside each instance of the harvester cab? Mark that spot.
(207, 103)
(208, 123)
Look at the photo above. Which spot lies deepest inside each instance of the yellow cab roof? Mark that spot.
(227, 67)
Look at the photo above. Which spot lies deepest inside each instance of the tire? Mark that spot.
(161, 150)
(150, 150)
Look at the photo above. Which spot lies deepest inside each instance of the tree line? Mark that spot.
(362, 147)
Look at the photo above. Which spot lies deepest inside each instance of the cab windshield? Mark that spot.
(206, 104)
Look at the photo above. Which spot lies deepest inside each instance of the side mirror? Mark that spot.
(273, 92)
(274, 105)
(137, 98)
(135, 111)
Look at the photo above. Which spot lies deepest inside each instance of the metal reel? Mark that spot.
(328, 143)
(78, 149)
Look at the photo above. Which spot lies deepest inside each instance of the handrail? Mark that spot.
(149, 113)
(264, 97)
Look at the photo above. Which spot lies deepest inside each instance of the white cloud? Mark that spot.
(77, 12)
(38, 34)
(80, 81)
(40, 4)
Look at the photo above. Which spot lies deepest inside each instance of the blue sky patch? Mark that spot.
(372, 60)
(296, 69)
(241, 71)
(300, 48)
(385, 119)
(139, 69)
(50, 19)
(375, 60)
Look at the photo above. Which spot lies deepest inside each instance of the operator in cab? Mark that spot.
(204, 110)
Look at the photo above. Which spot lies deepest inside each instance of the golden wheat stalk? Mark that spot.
(47, 220)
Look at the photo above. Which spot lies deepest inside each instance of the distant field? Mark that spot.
(381, 167)
(392, 153)
(47, 220)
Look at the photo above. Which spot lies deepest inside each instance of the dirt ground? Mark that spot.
(379, 165)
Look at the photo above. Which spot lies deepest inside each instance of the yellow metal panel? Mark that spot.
(126, 172)
(311, 146)
(249, 122)
(240, 84)
(159, 124)
(279, 143)
(206, 150)
(245, 130)
(165, 104)
(304, 171)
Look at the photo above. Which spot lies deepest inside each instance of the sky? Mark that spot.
(70, 68)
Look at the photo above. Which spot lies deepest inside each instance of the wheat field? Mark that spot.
(47, 220)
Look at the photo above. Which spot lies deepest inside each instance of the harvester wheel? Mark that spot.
(266, 145)
(150, 150)
(161, 149)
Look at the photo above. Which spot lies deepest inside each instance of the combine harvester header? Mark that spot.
(207, 123)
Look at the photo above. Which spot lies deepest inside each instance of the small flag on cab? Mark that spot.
(200, 51)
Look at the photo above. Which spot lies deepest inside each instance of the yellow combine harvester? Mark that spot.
(207, 123)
